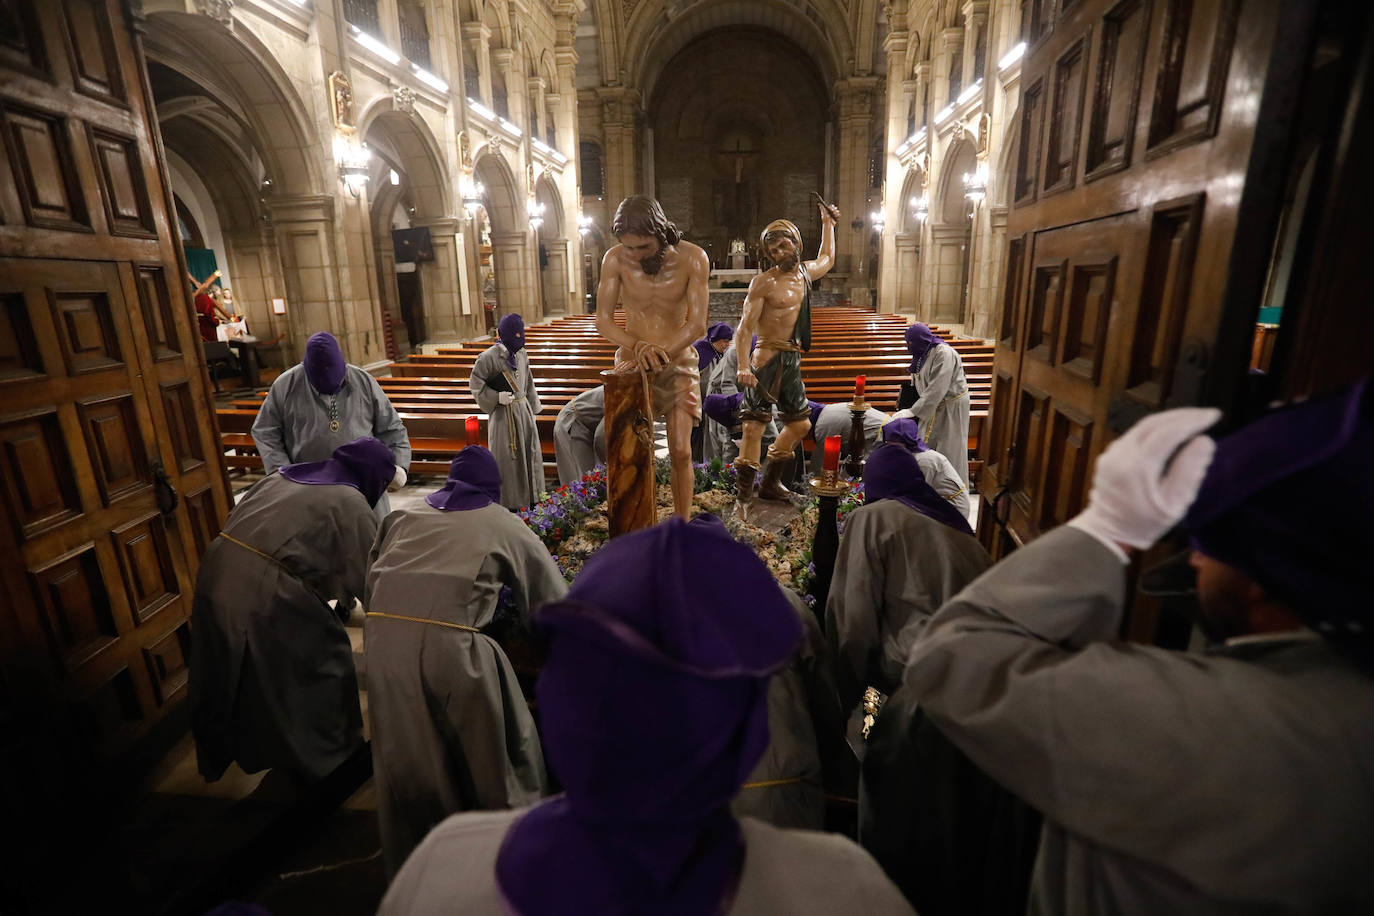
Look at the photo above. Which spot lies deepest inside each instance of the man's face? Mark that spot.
(721, 345)
(1223, 596)
(781, 250)
(644, 250)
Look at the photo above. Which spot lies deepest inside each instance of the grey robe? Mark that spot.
(720, 441)
(511, 432)
(943, 407)
(579, 435)
(943, 479)
(293, 423)
(1239, 781)
(895, 567)
(272, 681)
(450, 728)
(785, 788)
(837, 420)
(796, 872)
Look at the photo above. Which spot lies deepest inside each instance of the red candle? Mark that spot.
(832, 453)
(470, 427)
(859, 387)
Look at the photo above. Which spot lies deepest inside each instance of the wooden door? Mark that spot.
(103, 404)
(1137, 124)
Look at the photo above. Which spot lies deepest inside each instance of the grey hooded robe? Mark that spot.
(943, 406)
(272, 682)
(511, 432)
(450, 728)
(1235, 781)
(579, 435)
(718, 440)
(838, 420)
(292, 424)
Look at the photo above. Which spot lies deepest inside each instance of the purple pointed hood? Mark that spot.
(1254, 510)
(920, 340)
(891, 472)
(724, 408)
(654, 711)
(474, 481)
(816, 408)
(364, 464)
(511, 330)
(905, 432)
(324, 363)
(706, 353)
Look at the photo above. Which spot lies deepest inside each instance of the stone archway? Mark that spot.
(909, 241)
(951, 235)
(238, 142)
(422, 299)
(556, 279)
(514, 286)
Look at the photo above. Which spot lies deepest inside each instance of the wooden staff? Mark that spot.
(630, 486)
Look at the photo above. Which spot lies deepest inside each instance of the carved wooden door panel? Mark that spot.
(1137, 118)
(103, 405)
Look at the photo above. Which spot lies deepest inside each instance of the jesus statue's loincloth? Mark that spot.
(675, 387)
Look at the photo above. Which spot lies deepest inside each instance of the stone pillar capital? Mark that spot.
(301, 209)
(504, 58)
(952, 38)
(476, 32)
(976, 12)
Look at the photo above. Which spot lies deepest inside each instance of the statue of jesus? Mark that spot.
(777, 309)
(660, 280)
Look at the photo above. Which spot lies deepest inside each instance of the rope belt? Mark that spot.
(936, 413)
(434, 623)
(771, 783)
(251, 549)
(769, 343)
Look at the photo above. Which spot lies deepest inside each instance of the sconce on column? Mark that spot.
(353, 159)
(920, 208)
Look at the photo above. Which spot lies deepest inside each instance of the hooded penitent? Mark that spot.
(706, 353)
(511, 330)
(724, 408)
(1255, 511)
(892, 473)
(654, 712)
(816, 408)
(920, 340)
(324, 363)
(364, 464)
(905, 432)
(474, 481)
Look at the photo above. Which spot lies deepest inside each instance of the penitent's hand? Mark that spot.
(504, 397)
(745, 378)
(1146, 480)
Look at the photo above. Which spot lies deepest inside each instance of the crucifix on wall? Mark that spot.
(737, 202)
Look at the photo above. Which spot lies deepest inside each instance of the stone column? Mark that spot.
(534, 99)
(516, 289)
(619, 108)
(949, 248)
(258, 280)
(554, 278)
(950, 40)
(477, 41)
(854, 103)
(444, 316)
(897, 103)
(906, 273)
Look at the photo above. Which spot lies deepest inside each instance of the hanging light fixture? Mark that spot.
(878, 221)
(536, 214)
(920, 208)
(472, 195)
(976, 184)
(584, 224)
(353, 160)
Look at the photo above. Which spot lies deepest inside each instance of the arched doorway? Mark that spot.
(908, 244)
(413, 229)
(556, 281)
(236, 137)
(951, 235)
(504, 281)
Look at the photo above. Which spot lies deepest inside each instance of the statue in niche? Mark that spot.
(465, 150)
(341, 100)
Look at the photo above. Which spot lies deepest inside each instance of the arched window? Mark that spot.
(593, 172)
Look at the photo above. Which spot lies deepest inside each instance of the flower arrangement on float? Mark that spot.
(571, 521)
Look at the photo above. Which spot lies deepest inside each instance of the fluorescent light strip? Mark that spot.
(480, 109)
(944, 113)
(1012, 56)
(509, 127)
(429, 79)
(970, 92)
(375, 46)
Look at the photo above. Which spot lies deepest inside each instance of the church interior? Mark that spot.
(1104, 209)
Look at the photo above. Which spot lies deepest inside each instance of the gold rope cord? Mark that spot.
(771, 783)
(435, 623)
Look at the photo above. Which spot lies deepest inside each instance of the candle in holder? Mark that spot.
(832, 454)
(859, 382)
(470, 428)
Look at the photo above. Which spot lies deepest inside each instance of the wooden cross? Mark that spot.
(201, 287)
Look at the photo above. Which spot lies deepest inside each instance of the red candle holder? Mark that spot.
(859, 383)
(471, 429)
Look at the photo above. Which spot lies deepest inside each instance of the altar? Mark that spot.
(732, 275)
